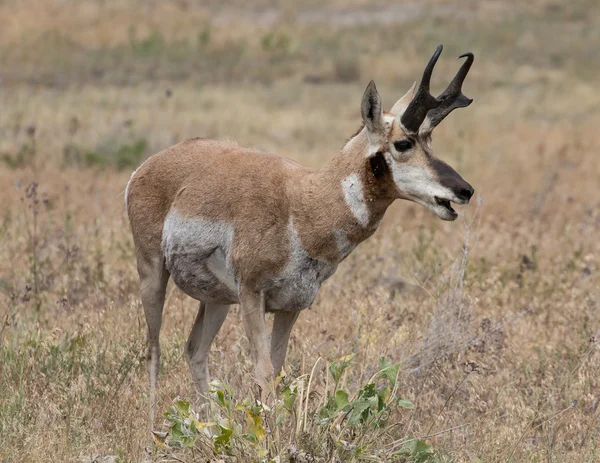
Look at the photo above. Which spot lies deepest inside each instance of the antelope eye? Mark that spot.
(403, 145)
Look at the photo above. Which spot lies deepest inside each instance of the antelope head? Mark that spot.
(399, 142)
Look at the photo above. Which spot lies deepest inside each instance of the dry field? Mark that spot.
(491, 322)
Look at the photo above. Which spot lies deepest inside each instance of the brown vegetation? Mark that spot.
(493, 319)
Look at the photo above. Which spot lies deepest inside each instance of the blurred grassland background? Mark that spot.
(89, 89)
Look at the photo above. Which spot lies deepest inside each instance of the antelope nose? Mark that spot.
(466, 192)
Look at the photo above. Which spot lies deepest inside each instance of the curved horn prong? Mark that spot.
(451, 98)
(423, 101)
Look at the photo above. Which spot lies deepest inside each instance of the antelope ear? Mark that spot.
(401, 105)
(371, 111)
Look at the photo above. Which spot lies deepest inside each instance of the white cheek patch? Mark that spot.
(130, 179)
(416, 181)
(355, 199)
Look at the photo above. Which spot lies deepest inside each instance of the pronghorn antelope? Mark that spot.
(233, 225)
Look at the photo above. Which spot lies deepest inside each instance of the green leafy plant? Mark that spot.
(371, 405)
(345, 423)
(236, 423)
(183, 424)
(415, 451)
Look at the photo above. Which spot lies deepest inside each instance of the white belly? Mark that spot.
(197, 255)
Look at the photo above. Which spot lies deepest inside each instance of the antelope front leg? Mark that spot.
(282, 327)
(253, 313)
(208, 322)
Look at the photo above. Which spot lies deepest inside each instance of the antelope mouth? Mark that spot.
(445, 203)
(448, 212)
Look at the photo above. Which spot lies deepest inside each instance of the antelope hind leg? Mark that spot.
(153, 284)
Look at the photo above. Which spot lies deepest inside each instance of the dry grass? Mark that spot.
(512, 288)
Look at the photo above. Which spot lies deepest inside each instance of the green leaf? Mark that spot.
(389, 370)
(329, 410)
(338, 367)
(254, 423)
(417, 450)
(358, 407)
(405, 404)
(183, 407)
(422, 449)
(220, 398)
(289, 398)
(181, 437)
(368, 391)
(223, 440)
(171, 413)
(341, 400)
(383, 395)
(250, 438)
(281, 417)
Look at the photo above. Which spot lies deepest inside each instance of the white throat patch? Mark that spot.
(353, 194)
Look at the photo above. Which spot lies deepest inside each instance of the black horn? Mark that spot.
(423, 101)
(452, 97)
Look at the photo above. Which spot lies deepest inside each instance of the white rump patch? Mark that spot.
(131, 178)
(127, 187)
(353, 193)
